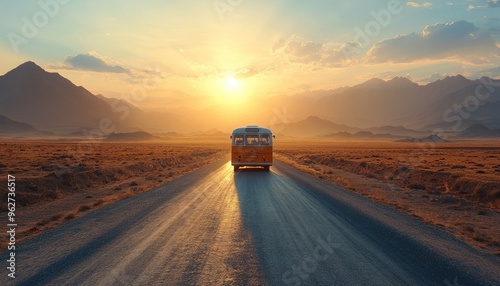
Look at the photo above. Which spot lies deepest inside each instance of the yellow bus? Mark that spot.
(252, 146)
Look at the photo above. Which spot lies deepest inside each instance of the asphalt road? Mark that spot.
(217, 227)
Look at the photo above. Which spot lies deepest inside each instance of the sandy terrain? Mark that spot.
(59, 181)
(453, 185)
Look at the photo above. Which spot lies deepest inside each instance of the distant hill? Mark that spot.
(429, 139)
(363, 135)
(116, 103)
(132, 137)
(397, 131)
(479, 131)
(209, 134)
(11, 127)
(167, 134)
(313, 126)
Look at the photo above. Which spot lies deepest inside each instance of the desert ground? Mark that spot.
(452, 185)
(59, 181)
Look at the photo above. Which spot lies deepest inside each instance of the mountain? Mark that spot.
(479, 131)
(443, 87)
(363, 135)
(429, 139)
(372, 103)
(117, 103)
(313, 126)
(48, 101)
(397, 131)
(401, 102)
(155, 122)
(131, 137)
(488, 114)
(211, 134)
(11, 127)
(51, 102)
(373, 83)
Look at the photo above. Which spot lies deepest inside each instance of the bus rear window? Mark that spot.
(238, 140)
(252, 140)
(265, 139)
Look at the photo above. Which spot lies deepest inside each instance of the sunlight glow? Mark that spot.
(231, 83)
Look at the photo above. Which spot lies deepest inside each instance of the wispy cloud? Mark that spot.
(492, 72)
(247, 73)
(91, 61)
(94, 62)
(488, 4)
(418, 5)
(298, 50)
(460, 40)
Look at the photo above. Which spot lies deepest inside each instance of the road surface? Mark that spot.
(217, 227)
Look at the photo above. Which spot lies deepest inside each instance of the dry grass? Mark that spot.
(60, 181)
(84, 208)
(453, 185)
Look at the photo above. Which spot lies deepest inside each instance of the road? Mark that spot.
(217, 227)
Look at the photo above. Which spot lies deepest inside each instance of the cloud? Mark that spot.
(417, 5)
(489, 4)
(493, 72)
(92, 61)
(493, 3)
(298, 50)
(431, 78)
(459, 40)
(246, 73)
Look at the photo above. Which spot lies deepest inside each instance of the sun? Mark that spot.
(231, 89)
(231, 83)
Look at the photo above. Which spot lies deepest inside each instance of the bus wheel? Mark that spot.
(266, 168)
(236, 168)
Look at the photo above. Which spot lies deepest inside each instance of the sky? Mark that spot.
(161, 54)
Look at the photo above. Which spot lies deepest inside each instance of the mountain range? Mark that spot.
(50, 102)
(401, 102)
(33, 99)
(479, 131)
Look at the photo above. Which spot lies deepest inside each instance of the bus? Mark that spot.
(252, 146)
